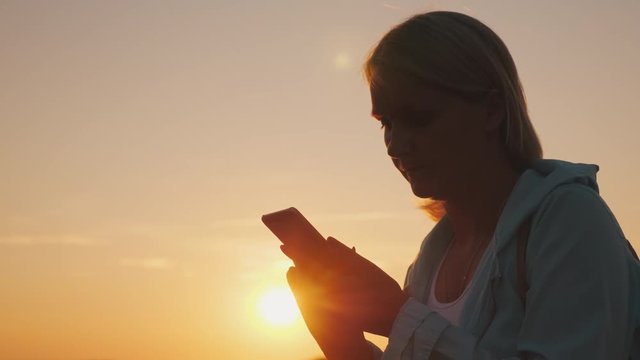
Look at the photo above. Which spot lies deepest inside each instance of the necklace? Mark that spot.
(459, 284)
(481, 245)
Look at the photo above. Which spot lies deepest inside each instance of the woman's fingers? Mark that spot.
(285, 251)
(335, 258)
(333, 243)
(347, 297)
(341, 257)
(305, 287)
(298, 282)
(292, 275)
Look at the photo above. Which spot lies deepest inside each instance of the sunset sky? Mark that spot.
(140, 141)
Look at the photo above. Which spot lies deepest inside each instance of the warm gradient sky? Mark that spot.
(140, 141)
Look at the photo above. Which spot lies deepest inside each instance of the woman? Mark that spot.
(526, 260)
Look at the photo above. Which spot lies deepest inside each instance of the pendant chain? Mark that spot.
(481, 245)
(470, 263)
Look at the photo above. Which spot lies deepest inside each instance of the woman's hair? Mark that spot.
(458, 53)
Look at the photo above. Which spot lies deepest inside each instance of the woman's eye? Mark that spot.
(420, 119)
(409, 119)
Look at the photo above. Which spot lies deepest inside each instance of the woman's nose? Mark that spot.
(398, 142)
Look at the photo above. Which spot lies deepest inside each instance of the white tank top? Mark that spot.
(452, 310)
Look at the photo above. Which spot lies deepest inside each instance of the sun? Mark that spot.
(342, 61)
(277, 307)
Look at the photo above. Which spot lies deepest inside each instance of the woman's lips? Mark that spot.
(411, 173)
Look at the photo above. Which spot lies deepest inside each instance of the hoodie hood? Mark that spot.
(533, 186)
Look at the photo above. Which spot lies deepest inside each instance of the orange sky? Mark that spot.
(140, 141)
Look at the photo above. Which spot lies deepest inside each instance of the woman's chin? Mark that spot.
(422, 191)
(426, 190)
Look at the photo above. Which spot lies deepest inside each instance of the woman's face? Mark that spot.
(438, 140)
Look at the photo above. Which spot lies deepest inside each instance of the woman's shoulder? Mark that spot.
(573, 222)
(578, 205)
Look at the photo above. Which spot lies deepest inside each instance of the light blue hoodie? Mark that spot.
(584, 286)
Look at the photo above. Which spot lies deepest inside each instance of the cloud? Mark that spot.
(236, 223)
(34, 240)
(361, 216)
(354, 216)
(147, 263)
(390, 6)
(159, 264)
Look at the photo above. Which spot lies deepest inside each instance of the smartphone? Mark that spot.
(295, 232)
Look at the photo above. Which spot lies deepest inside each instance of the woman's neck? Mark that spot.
(475, 208)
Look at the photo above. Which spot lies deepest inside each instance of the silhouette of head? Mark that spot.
(447, 91)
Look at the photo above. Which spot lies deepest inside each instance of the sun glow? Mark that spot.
(342, 61)
(277, 307)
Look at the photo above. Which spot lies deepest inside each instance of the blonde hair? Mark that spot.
(456, 52)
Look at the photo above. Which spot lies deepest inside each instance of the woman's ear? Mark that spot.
(495, 112)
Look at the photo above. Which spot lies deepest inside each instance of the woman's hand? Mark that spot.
(355, 289)
(337, 337)
(370, 296)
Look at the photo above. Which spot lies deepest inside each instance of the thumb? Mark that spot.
(300, 289)
(293, 277)
(298, 282)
